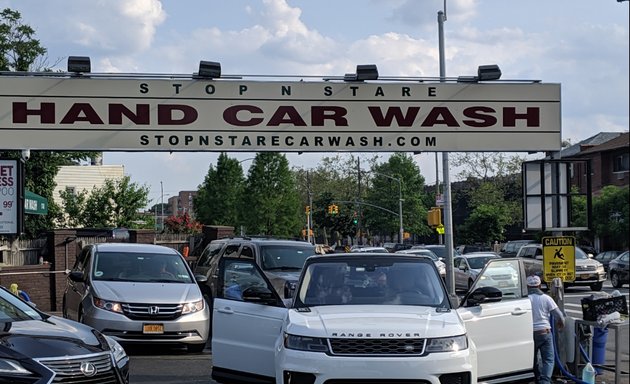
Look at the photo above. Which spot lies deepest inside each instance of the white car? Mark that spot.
(439, 264)
(378, 319)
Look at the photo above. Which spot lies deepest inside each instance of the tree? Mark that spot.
(218, 198)
(115, 204)
(611, 216)
(182, 224)
(19, 51)
(270, 204)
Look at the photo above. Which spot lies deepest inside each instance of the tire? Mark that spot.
(597, 286)
(195, 348)
(615, 280)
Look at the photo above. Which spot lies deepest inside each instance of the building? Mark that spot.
(77, 178)
(183, 203)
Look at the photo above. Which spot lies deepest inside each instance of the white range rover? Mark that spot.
(382, 318)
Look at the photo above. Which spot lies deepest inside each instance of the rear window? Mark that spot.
(285, 257)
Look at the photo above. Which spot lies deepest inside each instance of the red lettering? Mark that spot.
(140, 116)
(481, 119)
(81, 112)
(532, 116)
(440, 115)
(230, 115)
(394, 113)
(337, 114)
(293, 117)
(165, 114)
(46, 113)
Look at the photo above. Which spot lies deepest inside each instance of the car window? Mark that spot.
(382, 281)
(239, 275)
(140, 267)
(231, 250)
(503, 275)
(247, 252)
(13, 309)
(209, 253)
(479, 262)
(285, 257)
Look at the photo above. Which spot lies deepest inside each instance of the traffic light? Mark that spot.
(307, 209)
(434, 217)
(330, 209)
(335, 209)
(355, 219)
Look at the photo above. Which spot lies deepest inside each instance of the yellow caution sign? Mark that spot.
(559, 258)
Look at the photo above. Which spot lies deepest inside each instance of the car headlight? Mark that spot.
(193, 307)
(447, 344)
(13, 367)
(305, 343)
(107, 305)
(120, 356)
(600, 268)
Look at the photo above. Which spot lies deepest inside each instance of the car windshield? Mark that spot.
(285, 257)
(376, 281)
(478, 262)
(140, 267)
(13, 309)
(580, 254)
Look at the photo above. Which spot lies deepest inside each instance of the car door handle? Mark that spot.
(227, 310)
(518, 312)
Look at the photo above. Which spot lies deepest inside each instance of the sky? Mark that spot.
(581, 44)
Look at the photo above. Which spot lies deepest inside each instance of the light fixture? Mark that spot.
(209, 69)
(488, 72)
(79, 64)
(364, 72)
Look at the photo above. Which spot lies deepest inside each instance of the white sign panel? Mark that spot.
(128, 114)
(8, 196)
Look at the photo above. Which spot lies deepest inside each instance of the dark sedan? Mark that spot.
(36, 348)
(618, 270)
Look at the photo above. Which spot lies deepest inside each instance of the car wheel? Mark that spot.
(597, 286)
(616, 282)
(195, 348)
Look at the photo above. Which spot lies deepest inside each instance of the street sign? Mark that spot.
(35, 204)
(559, 258)
(440, 229)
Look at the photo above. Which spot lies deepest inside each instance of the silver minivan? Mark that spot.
(137, 294)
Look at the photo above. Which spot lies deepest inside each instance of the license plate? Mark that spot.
(586, 277)
(503, 283)
(154, 329)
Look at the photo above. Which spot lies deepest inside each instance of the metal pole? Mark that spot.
(400, 201)
(162, 205)
(448, 216)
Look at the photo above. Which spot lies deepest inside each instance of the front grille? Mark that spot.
(68, 369)
(152, 311)
(585, 268)
(377, 347)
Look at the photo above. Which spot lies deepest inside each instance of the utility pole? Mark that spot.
(358, 206)
(448, 216)
(162, 205)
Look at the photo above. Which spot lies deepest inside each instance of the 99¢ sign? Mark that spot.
(8, 196)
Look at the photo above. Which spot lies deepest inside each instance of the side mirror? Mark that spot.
(260, 295)
(201, 279)
(77, 276)
(484, 295)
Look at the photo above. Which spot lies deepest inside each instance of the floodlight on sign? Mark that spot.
(79, 64)
(488, 72)
(209, 69)
(364, 72)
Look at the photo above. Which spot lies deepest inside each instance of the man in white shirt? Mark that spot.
(543, 307)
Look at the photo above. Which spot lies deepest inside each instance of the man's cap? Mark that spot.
(533, 281)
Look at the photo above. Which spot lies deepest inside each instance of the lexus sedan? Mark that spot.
(37, 348)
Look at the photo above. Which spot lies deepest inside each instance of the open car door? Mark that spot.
(498, 318)
(246, 324)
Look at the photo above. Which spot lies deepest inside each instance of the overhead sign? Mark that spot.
(35, 204)
(134, 114)
(9, 197)
(559, 258)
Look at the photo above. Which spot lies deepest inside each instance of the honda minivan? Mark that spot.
(137, 293)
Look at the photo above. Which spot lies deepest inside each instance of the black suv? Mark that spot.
(511, 248)
(280, 260)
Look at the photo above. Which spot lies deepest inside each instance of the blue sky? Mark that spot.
(581, 44)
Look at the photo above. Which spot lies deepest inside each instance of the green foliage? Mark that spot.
(115, 204)
(218, 198)
(18, 47)
(484, 225)
(270, 204)
(611, 214)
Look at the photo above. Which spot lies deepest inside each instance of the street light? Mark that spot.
(400, 201)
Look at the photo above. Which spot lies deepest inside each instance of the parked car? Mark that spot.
(356, 318)
(370, 249)
(468, 266)
(281, 260)
(618, 270)
(394, 247)
(137, 293)
(439, 264)
(462, 249)
(39, 348)
(510, 249)
(588, 271)
(606, 257)
(438, 249)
